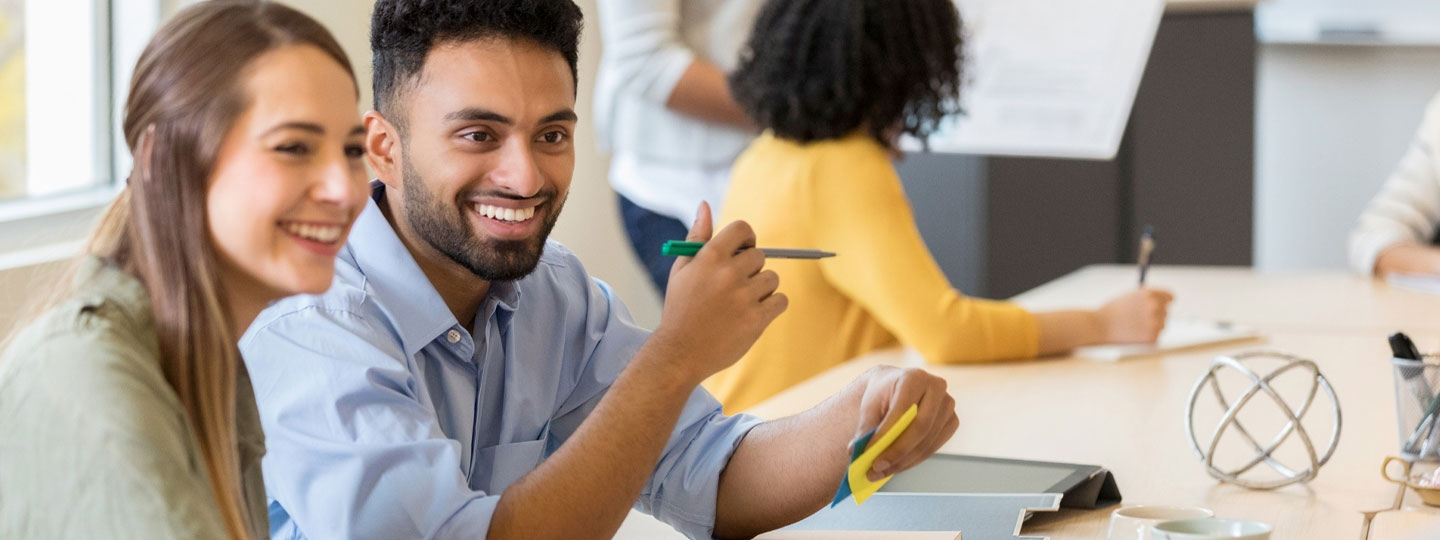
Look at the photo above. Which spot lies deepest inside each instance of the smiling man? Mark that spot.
(465, 378)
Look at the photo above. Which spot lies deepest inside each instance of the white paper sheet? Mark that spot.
(1415, 282)
(1178, 334)
(1049, 78)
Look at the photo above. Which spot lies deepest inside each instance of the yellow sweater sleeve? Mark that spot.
(860, 208)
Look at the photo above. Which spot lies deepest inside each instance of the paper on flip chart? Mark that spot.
(1049, 78)
(1179, 334)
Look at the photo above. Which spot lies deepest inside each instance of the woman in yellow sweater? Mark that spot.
(834, 83)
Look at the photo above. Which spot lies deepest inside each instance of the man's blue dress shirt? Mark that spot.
(384, 418)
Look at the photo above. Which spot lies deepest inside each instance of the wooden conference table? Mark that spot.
(1128, 415)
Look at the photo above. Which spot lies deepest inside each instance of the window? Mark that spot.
(12, 99)
(61, 62)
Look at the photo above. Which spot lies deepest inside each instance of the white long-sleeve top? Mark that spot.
(664, 160)
(1407, 209)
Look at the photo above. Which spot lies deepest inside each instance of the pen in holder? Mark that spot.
(1417, 409)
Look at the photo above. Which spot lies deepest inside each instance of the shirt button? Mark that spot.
(453, 336)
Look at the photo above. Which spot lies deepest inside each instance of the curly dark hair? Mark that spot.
(402, 33)
(821, 69)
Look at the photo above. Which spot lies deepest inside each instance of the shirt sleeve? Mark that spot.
(352, 450)
(642, 46)
(1407, 209)
(891, 273)
(684, 486)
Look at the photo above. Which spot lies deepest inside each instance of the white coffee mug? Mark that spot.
(1134, 522)
(1212, 529)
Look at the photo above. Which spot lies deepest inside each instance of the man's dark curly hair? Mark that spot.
(821, 69)
(402, 33)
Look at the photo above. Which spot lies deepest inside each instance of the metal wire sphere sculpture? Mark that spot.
(1230, 419)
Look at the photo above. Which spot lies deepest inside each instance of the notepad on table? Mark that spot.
(1415, 282)
(1179, 334)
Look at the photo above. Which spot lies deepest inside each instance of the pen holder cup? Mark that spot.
(1417, 410)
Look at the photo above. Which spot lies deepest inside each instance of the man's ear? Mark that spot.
(382, 149)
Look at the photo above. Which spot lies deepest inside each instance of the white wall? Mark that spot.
(1331, 122)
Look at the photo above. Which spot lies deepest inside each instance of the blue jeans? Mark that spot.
(647, 232)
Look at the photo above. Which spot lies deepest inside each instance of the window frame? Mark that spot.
(32, 226)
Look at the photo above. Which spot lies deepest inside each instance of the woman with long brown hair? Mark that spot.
(125, 409)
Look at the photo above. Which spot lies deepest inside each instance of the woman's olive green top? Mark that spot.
(94, 443)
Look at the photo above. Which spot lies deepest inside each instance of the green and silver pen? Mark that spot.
(678, 248)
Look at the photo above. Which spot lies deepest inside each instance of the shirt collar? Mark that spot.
(506, 295)
(393, 277)
(401, 289)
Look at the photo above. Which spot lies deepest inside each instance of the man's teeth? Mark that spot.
(324, 234)
(505, 214)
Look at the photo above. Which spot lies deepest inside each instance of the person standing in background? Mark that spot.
(662, 106)
(1396, 231)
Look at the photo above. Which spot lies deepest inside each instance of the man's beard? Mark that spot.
(447, 229)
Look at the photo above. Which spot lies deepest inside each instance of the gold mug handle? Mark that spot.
(1385, 470)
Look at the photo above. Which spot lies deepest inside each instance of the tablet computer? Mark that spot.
(1082, 486)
